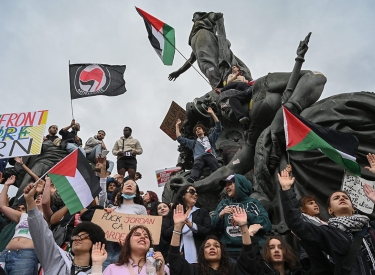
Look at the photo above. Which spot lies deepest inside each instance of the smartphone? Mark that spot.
(104, 153)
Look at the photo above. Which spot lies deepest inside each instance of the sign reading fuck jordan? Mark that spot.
(21, 134)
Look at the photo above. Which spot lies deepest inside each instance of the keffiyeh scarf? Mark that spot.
(349, 224)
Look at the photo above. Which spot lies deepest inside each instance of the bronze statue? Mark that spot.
(211, 50)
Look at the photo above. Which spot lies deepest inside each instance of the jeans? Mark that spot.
(70, 147)
(113, 251)
(201, 162)
(20, 261)
(94, 154)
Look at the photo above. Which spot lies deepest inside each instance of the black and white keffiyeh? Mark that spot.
(349, 224)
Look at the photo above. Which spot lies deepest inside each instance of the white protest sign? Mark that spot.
(354, 186)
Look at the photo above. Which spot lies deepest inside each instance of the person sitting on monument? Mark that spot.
(52, 133)
(238, 82)
(238, 189)
(95, 146)
(69, 140)
(203, 147)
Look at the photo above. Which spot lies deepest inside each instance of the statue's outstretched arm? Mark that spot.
(184, 68)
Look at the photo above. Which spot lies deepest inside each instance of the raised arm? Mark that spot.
(9, 212)
(46, 201)
(178, 264)
(371, 161)
(68, 127)
(58, 215)
(27, 169)
(178, 123)
(212, 113)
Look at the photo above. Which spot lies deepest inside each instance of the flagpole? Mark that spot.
(49, 170)
(71, 101)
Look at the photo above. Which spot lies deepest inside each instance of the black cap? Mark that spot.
(223, 182)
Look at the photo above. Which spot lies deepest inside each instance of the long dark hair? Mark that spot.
(290, 259)
(179, 197)
(126, 249)
(225, 265)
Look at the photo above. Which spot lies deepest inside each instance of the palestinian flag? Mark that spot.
(303, 135)
(75, 181)
(161, 37)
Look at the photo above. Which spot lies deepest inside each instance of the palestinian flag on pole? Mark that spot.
(303, 135)
(161, 37)
(75, 181)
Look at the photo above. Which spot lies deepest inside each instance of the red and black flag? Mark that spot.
(96, 79)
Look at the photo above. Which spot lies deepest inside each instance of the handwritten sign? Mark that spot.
(169, 123)
(163, 175)
(354, 186)
(116, 225)
(21, 134)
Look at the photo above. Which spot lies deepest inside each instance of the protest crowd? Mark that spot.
(74, 215)
(41, 235)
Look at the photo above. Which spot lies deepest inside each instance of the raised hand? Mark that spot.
(303, 46)
(285, 180)
(179, 216)
(210, 111)
(371, 161)
(18, 160)
(369, 191)
(29, 193)
(239, 215)
(10, 180)
(98, 254)
(254, 228)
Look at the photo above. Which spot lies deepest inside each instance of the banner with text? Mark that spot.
(21, 134)
(354, 186)
(169, 123)
(163, 175)
(116, 225)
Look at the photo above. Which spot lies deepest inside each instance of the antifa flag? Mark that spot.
(303, 135)
(161, 37)
(96, 79)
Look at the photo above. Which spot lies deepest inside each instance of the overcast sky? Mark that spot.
(38, 38)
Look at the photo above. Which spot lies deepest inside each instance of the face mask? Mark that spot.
(128, 197)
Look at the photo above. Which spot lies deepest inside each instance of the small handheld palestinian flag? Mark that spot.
(303, 135)
(75, 181)
(161, 37)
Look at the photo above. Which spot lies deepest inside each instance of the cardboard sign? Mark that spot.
(169, 123)
(21, 134)
(163, 175)
(354, 186)
(116, 225)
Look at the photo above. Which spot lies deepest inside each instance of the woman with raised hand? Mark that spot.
(19, 256)
(213, 257)
(346, 238)
(87, 242)
(132, 259)
(197, 224)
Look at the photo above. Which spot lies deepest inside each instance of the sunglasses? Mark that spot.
(192, 192)
(80, 237)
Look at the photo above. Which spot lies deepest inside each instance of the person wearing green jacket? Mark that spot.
(238, 189)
